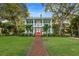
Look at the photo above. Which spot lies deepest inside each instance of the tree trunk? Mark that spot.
(28, 33)
(47, 34)
(71, 31)
(60, 28)
(78, 29)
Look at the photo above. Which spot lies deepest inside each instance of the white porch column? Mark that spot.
(51, 31)
(25, 24)
(33, 26)
(42, 26)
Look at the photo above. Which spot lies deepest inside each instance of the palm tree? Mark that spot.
(29, 29)
(45, 28)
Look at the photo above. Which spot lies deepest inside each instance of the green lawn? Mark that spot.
(57, 46)
(62, 46)
(14, 45)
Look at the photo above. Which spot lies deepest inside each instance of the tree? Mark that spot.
(0, 24)
(45, 28)
(75, 25)
(29, 29)
(61, 12)
(0, 27)
(55, 28)
(15, 13)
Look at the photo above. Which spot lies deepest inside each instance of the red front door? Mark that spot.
(38, 33)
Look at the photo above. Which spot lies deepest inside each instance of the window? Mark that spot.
(29, 21)
(46, 21)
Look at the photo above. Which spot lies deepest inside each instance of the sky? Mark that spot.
(35, 9)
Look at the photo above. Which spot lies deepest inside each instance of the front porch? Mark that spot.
(38, 24)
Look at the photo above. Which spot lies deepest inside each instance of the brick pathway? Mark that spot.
(37, 49)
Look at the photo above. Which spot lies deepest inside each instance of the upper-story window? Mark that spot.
(29, 21)
(47, 21)
(38, 23)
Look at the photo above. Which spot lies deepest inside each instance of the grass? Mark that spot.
(14, 45)
(56, 46)
(62, 46)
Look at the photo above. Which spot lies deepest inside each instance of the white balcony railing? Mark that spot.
(37, 24)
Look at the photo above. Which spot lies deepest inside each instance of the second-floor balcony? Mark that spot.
(37, 24)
